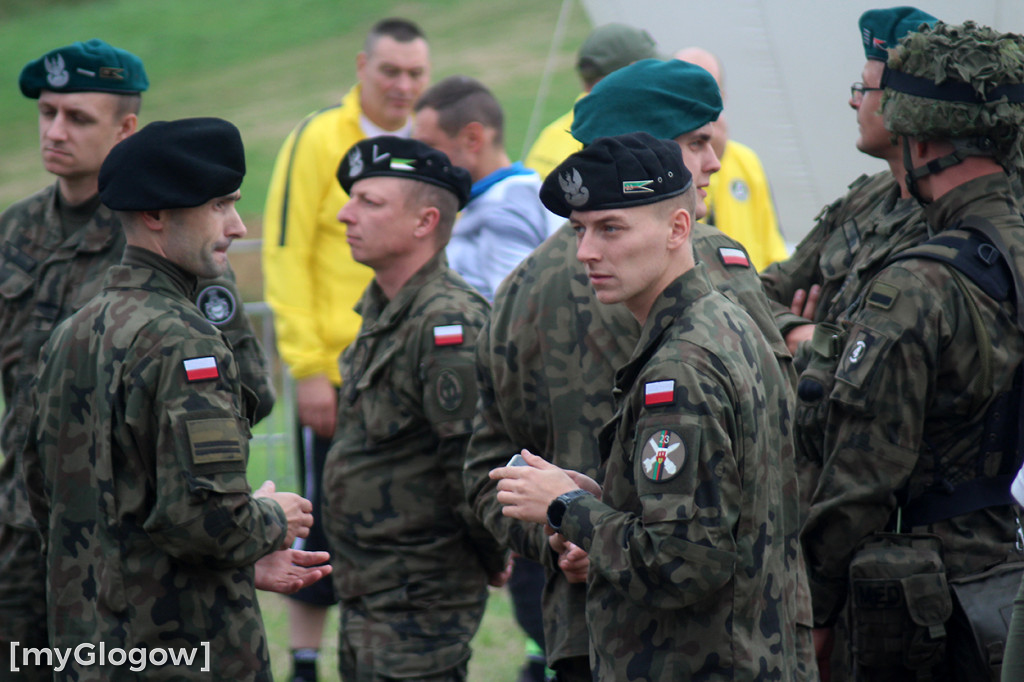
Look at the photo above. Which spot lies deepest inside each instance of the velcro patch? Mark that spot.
(217, 304)
(660, 392)
(860, 356)
(448, 335)
(201, 369)
(215, 442)
(450, 392)
(663, 455)
(731, 256)
(882, 295)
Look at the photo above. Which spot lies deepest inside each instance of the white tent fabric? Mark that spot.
(788, 67)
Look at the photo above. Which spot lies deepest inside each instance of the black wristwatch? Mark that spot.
(556, 510)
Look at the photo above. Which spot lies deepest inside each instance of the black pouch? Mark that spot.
(899, 602)
(981, 618)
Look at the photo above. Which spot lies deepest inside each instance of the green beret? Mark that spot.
(173, 164)
(611, 47)
(400, 157)
(94, 66)
(881, 29)
(616, 172)
(664, 98)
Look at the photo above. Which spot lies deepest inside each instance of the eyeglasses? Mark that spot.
(857, 91)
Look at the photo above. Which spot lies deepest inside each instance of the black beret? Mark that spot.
(173, 164)
(616, 172)
(399, 157)
(93, 66)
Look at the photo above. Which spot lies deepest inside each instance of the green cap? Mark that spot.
(962, 82)
(663, 98)
(881, 29)
(94, 66)
(611, 47)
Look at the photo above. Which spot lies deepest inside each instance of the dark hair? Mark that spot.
(400, 30)
(460, 100)
(128, 104)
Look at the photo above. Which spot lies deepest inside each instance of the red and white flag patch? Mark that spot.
(448, 335)
(660, 392)
(201, 369)
(731, 256)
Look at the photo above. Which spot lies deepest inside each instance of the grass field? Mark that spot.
(264, 64)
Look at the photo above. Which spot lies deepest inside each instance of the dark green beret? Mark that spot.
(881, 29)
(616, 172)
(94, 66)
(173, 164)
(399, 157)
(663, 98)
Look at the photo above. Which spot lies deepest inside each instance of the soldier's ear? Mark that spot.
(429, 217)
(681, 227)
(153, 220)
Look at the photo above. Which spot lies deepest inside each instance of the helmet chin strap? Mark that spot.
(962, 148)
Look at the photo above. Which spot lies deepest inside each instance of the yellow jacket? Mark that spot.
(310, 279)
(554, 144)
(740, 205)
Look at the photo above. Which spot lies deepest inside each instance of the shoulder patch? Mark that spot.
(201, 369)
(660, 392)
(217, 304)
(731, 256)
(450, 392)
(663, 455)
(882, 295)
(448, 335)
(215, 442)
(860, 356)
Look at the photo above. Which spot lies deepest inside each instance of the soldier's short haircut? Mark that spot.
(128, 104)
(422, 195)
(399, 30)
(461, 100)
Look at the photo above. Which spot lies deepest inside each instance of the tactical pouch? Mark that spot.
(984, 603)
(899, 602)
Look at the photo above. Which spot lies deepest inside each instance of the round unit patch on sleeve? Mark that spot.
(450, 392)
(663, 455)
(217, 304)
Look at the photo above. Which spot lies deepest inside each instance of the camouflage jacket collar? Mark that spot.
(99, 234)
(143, 269)
(990, 196)
(379, 313)
(669, 306)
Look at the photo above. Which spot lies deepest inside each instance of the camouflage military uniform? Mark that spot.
(46, 275)
(687, 557)
(546, 365)
(135, 467)
(908, 411)
(411, 561)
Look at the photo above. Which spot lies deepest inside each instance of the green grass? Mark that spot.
(264, 64)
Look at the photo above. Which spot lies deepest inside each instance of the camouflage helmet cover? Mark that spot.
(962, 77)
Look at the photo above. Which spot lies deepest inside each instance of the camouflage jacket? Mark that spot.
(546, 365)
(135, 466)
(394, 507)
(850, 241)
(907, 411)
(44, 278)
(688, 568)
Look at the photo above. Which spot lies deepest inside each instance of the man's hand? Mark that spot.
(289, 570)
(500, 579)
(572, 560)
(526, 491)
(805, 304)
(297, 510)
(317, 400)
(824, 640)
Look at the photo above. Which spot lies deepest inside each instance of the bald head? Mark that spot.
(703, 59)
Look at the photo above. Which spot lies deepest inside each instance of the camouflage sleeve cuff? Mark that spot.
(581, 516)
(275, 522)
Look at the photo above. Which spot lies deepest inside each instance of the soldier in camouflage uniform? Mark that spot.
(56, 245)
(411, 561)
(923, 408)
(687, 550)
(547, 362)
(136, 453)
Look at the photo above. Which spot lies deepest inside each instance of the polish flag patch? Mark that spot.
(733, 256)
(448, 335)
(201, 369)
(660, 392)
